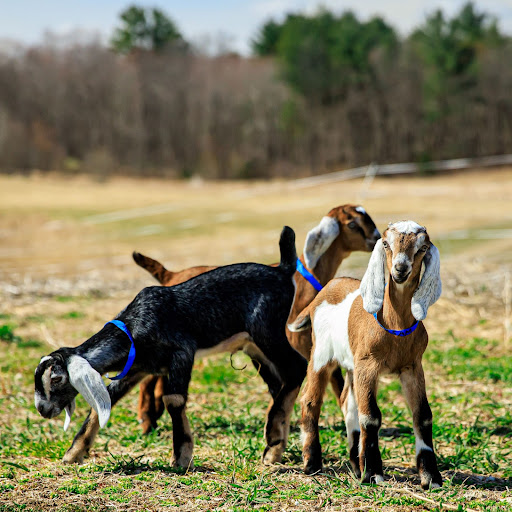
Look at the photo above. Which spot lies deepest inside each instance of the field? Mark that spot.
(66, 269)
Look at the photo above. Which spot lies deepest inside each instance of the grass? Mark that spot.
(66, 275)
(472, 432)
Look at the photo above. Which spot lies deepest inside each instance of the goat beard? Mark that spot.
(70, 409)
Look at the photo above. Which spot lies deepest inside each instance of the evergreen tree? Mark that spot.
(146, 29)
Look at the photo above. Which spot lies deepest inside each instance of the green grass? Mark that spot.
(472, 432)
(472, 360)
(72, 315)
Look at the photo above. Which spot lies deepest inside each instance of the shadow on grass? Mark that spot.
(126, 465)
(410, 476)
(479, 481)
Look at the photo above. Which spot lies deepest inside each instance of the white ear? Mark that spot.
(319, 239)
(374, 280)
(430, 286)
(88, 382)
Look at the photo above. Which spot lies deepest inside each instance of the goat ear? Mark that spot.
(374, 280)
(88, 382)
(430, 286)
(319, 239)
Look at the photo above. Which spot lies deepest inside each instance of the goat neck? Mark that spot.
(106, 352)
(396, 310)
(329, 262)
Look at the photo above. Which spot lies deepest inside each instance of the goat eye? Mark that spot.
(424, 248)
(352, 225)
(57, 379)
(385, 244)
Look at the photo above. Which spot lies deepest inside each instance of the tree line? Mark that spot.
(320, 92)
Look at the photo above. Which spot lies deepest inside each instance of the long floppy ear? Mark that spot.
(374, 280)
(430, 287)
(88, 382)
(319, 239)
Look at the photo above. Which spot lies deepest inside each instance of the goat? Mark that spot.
(168, 277)
(365, 326)
(168, 326)
(343, 230)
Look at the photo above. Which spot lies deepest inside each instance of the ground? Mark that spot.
(66, 269)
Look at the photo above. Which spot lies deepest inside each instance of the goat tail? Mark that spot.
(302, 322)
(155, 268)
(288, 253)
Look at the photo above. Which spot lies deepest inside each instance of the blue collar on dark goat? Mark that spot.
(131, 354)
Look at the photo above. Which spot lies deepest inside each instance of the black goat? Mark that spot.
(242, 306)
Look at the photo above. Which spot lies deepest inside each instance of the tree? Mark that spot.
(323, 56)
(449, 49)
(146, 29)
(265, 43)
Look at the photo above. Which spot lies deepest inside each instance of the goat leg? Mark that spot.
(311, 401)
(175, 402)
(413, 385)
(370, 420)
(83, 441)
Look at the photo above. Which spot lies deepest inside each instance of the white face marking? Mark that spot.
(44, 358)
(420, 240)
(360, 209)
(406, 227)
(331, 333)
(402, 259)
(47, 381)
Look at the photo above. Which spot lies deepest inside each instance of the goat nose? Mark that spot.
(401, 268)
(45, 410)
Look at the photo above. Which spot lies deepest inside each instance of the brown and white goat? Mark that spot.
(346, 333)
(343, 230)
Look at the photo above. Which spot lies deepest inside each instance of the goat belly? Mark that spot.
(232, 344)
(330, 324)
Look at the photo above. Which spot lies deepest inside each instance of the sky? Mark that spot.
(231, 22)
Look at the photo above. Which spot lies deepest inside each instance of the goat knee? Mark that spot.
(83, 440)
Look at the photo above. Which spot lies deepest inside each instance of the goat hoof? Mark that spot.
(427, 468)
(429, 481)
(182, 462)
(355, 469)
(272, 454)
(147, 428)
(377, 479)
(372, 478)
(73, 458)
(312, 467)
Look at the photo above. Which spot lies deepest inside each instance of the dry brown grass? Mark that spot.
(54, 238)
(65, 270)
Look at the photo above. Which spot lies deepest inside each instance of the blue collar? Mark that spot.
(308, 275)
(402, 333)
(131, 354)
